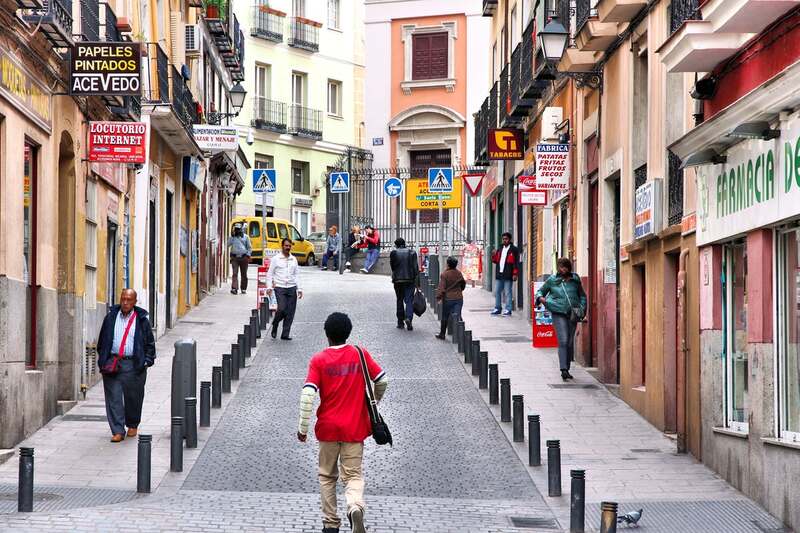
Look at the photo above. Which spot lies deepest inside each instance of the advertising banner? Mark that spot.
(106, 69)
(552, 167)
(28, 94)
(648, 210)
(528, 193)
(117, 142)
(216, 138)
(418, 196)
(544, 334)
(506, 144)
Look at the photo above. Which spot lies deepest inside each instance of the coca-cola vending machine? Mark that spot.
(544, 334)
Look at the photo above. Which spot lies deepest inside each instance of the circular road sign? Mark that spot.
(393, 187)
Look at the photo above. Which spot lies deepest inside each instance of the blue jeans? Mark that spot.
(450, 307)
(372, 258)
(507, 286)
(565, 332)
(335, 256)
(404, 292)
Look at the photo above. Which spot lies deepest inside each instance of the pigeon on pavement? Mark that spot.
(631, 518)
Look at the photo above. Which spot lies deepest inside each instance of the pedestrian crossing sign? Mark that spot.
(440, 179)
(340, 182)
(264, 180)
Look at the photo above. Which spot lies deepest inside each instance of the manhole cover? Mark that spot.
(84, 418)
(37, 496)
(572, 385)
(533, 523)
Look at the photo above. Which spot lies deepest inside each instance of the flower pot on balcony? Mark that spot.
(212, 11)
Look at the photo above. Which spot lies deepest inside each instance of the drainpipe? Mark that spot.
(683, 352)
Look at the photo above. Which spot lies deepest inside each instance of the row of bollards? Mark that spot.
(512, 409)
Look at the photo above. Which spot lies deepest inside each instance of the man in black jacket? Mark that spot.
(125, 349)
(405, 274)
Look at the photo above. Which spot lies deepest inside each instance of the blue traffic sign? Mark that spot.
(440, 179)
(264, 180)
(393, 187)
(340, 182)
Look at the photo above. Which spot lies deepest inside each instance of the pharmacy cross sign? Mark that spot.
(440, 179)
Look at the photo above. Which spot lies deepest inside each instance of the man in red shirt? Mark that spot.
(342, 419)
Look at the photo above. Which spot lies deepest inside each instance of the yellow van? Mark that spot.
(277, 230)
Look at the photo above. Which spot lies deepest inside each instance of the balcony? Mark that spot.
(674, 191)
(575, 60)
(227, 35)
(269, 115)
(481, 134)
(502, 107)
(305, 122)
(591, 34)
(489, 8)
(491, 121)
(696, 48)
(130, 110)
(304, 34)
(90, 20)
(530, 87)
(53, 18)
(519, 106)
(619, 10)
(267, 23)
(110, 25)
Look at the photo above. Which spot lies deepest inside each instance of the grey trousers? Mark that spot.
(239, 264)
(565, 332)
(124, 394)
(287, 304)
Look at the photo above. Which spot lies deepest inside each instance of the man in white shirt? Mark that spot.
(283, 277)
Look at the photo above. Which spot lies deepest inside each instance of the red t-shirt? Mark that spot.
(336, 374)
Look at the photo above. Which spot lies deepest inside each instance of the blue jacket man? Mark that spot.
(125, 349)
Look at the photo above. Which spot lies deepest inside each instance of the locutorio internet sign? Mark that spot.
(759, 185)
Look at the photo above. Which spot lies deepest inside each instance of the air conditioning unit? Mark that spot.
(193, 39)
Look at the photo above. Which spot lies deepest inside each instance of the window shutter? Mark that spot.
(420, 60)
(438, 62)
(177, 39)
(429, 56)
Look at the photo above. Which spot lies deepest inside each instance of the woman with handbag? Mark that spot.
(563, 295)
(451, 293)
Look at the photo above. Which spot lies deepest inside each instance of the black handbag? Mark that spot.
(419, 304)
(380, 431)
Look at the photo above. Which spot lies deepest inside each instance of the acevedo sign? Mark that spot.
(117, 142)
(106, 69)
(552, 166)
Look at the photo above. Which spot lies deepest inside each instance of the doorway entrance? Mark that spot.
(152, 286)
(168, 256)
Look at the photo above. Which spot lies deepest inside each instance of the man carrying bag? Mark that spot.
(343, 418)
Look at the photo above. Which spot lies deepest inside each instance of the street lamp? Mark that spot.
(237, 95)
(553, 41)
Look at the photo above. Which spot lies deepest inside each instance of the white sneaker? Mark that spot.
(506, 313)
(365, 271)
(347, 265)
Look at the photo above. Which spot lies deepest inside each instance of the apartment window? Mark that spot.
(301, 183)
(515, 30)
(737, 400)
(299, 8)
(298, 88)
(335, 98)
(494, 61)
(333, 14)
(262, 81)
(429, 56)
(788, 312)
(90, 259)
(264, 161)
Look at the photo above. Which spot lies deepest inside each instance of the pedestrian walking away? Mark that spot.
(563, 295)
(283, 277)
(126, 348)
(241, 250)
(451, 293)
(405, 277)
(342, 420)
(354, 240)
(506, 262)
(372, 242)
(332, 245)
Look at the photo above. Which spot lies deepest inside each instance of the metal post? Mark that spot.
(505, 400)
(460, 335)
(483, 370)
(518, 411)
(184, 375)
(456, 333)
(191, 422)
(493, 375)
(216, 387)
(475, 358)
(263, 311)
(441, 233)
(254, 327)
(467, 347)
(553, 468)
(577, 501)
(248, 333)
(608, 517)
(242, 341)
(143, 464)
(176, 445)
(25, 488)
(205, 404)
(341, 227)
(534, 441)
(263, 226)
(226, 372)
(235, 364)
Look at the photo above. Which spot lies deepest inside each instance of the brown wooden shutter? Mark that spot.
(420, 60)
(438, 68)
(429, 56)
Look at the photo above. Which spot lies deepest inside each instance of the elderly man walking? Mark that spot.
(283, 277)
(125, 349)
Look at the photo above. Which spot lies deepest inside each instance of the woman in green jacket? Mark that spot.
(563, 295)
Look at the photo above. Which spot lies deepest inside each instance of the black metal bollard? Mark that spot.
(248, 333)
(608, 517)
(216, 387)
(518, 407)
(467, 347)
(476, 358)
(451, 324)
(205, 404)
(143, 464)
(577, 501)
(262, 314)
(235, 364)
(483, 368)
(191, 422)
(456, 322)
(235, 348)
(242, 341)
(255, 332)
(534, 441)
(176, 445)
(439, 311)
(459, 336)
(25, 488)
(553, 468)
(505, 400)
(226, 373)
(493, 384)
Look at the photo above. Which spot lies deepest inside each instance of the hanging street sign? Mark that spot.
(506, 144)
(106, 69)
(117, 142)
(473, 183)
(216, 138)
(393, 187)
(440, 179)
(340, 182)
(552, 166)
(528, 194)
(264, 180)
(418, 196)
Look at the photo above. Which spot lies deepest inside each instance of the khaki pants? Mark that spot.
(349, 456)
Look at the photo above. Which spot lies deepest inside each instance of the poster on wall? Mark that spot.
(184, 241)
(544, 333)
(106, 69)
(117, 142)
(194, 251)
(552, 167)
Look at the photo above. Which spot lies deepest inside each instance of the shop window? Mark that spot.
(788, 302)
(29, 239)
(737, 400)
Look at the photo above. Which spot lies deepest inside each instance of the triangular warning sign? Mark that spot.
(440, 182)
(339, 184)
(473, 182)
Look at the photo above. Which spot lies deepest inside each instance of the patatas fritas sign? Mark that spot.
(106, 69)
(418, 196)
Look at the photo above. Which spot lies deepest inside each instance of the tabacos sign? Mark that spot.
(106, 69)
(759, 185)
(506, 144)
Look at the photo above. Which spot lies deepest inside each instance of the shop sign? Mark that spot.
(112, 207)
(216, 138)
(20, 88)
(114, 175)
(106, 69)
(552, 166)
(528, 193)
(759, 185)
(418, 196)
(117, 142)
(647, 221)
(505, 144)
(193, 172)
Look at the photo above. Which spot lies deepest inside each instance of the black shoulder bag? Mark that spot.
(380, 431)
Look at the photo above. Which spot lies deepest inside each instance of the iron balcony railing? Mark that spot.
(492, 118)
(112, 34)
(674, 190)
(529, 86)
(305, 122)
(157, 72)
(680, 11)
(640, 176)
(583, 10)
(267, 23)
(519, 105)
(183, 104)
(54, 20)
(502, 109)
(269, 114)
(489, 7)
(304, 34)
(90, 20)
(481, 132)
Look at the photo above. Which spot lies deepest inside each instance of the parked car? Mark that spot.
(277, 229)
(318, 240)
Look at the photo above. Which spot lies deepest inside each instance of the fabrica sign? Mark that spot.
(552, 166)
(106, 69)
